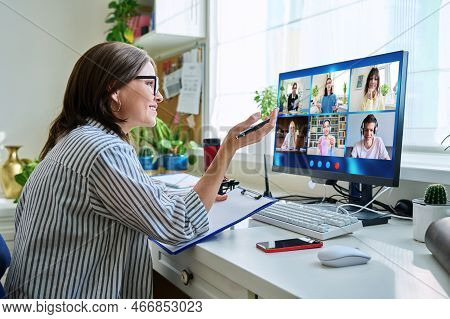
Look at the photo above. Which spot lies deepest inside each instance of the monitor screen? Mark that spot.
(343, 121)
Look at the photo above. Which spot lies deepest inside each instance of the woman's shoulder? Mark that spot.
(88, 141)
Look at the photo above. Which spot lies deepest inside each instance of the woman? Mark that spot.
(292, 98)
(291, 139)
(372, 100)
(327, 141)
(329, 100)
(85, 214)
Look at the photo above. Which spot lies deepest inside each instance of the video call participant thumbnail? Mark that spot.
(326, 142)
(329, 99)
(370, 146)
(291, 138)
(373, 100)
(293, 98)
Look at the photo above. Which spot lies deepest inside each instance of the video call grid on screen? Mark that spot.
(329, 115)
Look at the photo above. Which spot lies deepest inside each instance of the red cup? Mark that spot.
(210, 148)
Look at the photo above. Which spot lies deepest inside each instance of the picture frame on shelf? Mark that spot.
(359, 82)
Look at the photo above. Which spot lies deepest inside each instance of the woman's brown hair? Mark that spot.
(101, 71)
(326, 93)
(373, 72)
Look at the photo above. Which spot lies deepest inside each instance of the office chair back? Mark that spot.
(5, 261)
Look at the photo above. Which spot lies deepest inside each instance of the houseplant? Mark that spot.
(344, 89)
(145, 149)
(266, 100)
(314, 107)
(384, 89)
(283, 99)
(426, 210)
(122, 12)
(174, 147)
(22, 178)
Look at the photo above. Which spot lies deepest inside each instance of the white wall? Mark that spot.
(41, 41)
(356, 95)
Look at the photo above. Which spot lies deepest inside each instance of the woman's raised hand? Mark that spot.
(233, 143)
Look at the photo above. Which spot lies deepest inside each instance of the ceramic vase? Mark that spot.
(9, 170)
(424, 215)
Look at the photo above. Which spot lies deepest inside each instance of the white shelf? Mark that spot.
(157, 44)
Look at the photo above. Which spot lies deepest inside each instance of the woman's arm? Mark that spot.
(381, 105)
(285, 142)
(208, 186)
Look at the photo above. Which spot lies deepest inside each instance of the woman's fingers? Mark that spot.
(257, 135)
(221, 198)
(248, 122)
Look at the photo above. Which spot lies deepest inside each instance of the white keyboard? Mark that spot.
(313, 221)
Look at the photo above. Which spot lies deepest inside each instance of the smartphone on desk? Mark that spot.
(288, 245)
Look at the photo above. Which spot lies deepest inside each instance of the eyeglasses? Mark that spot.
(154, 81)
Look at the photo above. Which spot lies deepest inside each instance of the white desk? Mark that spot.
(229, 265)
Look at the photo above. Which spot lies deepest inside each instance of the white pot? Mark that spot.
(424, 215)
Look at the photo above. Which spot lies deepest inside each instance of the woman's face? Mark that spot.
(138, 102)
(329, 84)
(294, 89)
(292, 128)
(373, 82)
(326, 128)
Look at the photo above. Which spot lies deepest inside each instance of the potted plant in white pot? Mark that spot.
(426, 210)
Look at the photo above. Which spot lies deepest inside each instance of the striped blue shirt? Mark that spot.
(84, 218)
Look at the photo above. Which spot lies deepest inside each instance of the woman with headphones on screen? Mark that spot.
(372, 100)
(85, 215)
(370, 146)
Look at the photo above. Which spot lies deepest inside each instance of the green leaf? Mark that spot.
(181, 150)
(111, 19)
(128, 35)
(177, 143)
(193, 145)
(166, 144)
(110, 37)
(112, 5)
(192, 159)
(21, 179)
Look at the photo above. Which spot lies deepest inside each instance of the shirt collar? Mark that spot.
(97, 124)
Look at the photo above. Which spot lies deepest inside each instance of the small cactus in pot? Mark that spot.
(425, 211)
(435, 195)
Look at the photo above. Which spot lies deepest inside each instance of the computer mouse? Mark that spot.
(404, 207)
(342, 256)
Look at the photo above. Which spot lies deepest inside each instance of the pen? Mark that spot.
(253, 128)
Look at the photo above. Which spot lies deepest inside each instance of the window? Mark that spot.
(252, 41)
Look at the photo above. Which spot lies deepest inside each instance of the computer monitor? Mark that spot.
(343, 121)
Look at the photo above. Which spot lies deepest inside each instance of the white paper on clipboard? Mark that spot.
(223, 215)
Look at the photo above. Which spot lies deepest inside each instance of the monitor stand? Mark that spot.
(361, 195)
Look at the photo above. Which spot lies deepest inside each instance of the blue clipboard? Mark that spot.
(240, 204)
